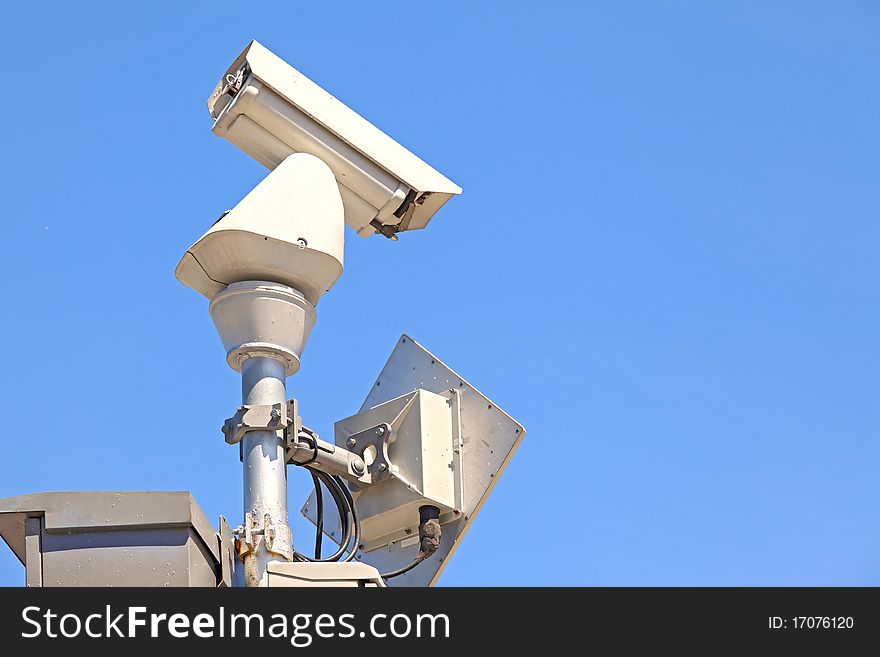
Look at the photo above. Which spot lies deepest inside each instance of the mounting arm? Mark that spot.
(306, 448)
(302, 445)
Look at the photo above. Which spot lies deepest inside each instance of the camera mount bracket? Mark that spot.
(302, 445)
(261, 417)
(378, 438)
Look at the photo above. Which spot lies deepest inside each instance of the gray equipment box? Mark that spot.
(324, 575)
(112, 539)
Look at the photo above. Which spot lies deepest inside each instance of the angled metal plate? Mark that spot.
(227, 554)
(489, 437)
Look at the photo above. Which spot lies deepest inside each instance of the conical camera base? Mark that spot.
(261, 318)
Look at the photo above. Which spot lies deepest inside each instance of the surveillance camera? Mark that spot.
(270, 110)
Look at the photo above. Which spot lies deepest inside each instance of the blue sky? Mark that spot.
(664, 264)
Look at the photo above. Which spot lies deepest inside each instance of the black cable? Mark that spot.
(400, 571)
(345, 522)
(311, 442)
(344, 501)
(349, 522)
(356, 520)
(319, 515)
(344, 506)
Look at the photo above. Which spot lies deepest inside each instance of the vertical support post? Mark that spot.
(33, 528)
(264, 327)
(265, 471)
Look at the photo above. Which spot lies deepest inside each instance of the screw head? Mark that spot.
(382, 467)
(276, 414)
(352, 442)
(357, 466)
(380, 431)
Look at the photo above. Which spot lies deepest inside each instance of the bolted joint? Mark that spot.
(276, 538)
(257, 417)
(378, 437)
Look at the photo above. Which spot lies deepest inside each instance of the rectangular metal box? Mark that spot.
(111, 539)
(420, 451)
(324, 575)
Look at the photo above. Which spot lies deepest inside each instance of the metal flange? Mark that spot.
(378, 437)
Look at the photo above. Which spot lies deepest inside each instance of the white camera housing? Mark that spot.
(269, 110)
(288, 229)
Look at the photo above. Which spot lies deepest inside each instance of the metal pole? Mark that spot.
(264, 327)
(265, 471)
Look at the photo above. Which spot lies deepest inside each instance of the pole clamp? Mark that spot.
(261, 417)
(277, 539)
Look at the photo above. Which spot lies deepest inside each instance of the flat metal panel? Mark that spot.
(323, 575)
(489, 436)
(72, 512)
(202, 570)
(116, 558)
(34, 556)
(227, 554)
(157, 557)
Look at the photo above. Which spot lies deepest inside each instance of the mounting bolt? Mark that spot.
(226, 429)
(380, 431)
(276, 414)
(352, 442)
(357, 466)
(382, 467)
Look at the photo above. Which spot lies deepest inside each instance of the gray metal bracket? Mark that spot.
(302, 445)
(261, 417)
(227, 568)
(276, 537)
(378, 437)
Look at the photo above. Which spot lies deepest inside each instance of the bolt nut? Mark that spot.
(276, 414)
(382, 467)
(357, 466)
(380, 431)
(352, 442)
